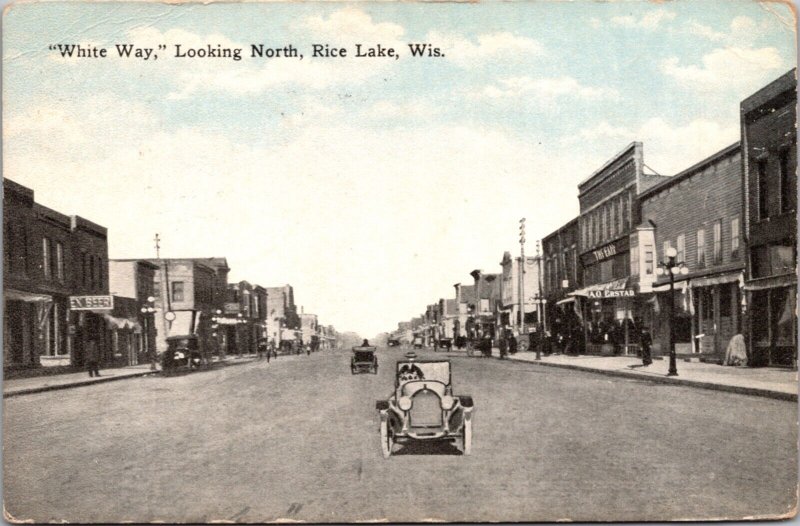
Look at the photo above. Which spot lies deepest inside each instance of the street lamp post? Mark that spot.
(521, 276)
(148, 309)
(672, 267)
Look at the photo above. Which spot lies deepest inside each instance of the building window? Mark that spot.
(83, 268)
(177, 291)
(635, 261)
(701, 248)
(92, 274)
(665, 247)
(648, 259)
(718, 242)
(46, 257)
(157, 289)
(60, 261)
(735, 237)
(681, 248)
(100, 274)
(763, 189)
(787, 195)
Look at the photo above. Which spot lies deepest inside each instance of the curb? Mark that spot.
(57, 387)
(753, 391)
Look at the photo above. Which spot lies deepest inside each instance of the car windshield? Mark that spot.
(435, 371)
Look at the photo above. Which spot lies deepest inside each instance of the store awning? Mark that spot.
(227, 321)
(115, 323)
(704, 281)
(719, 279)
(617, 288)
(788, 280)
(18, 295)
(565, 300)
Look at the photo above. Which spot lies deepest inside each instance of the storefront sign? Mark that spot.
(606, 251)
(619, 293)
(91, 302)
(231, 308)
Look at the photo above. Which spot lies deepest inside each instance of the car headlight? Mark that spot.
(448, 402)
(404, 403)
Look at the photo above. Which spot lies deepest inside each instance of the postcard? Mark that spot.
(338, 262)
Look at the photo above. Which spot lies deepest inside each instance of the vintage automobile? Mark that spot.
(417, 343)
(182, 351)
(364, 360)
(445, 343)
(393, 343)
(423, 407)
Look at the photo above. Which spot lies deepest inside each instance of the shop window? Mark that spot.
(707, 300)
(785, 177)
(763, 189)
(701, 248)
(783, 309)
(735, 237)
(177, 291)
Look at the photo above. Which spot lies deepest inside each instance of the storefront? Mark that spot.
(25, 322)
(608, 312)
(773, 321)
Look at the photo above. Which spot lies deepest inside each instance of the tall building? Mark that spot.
(769, 164)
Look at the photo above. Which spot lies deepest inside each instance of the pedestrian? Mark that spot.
(512, 344)
(503, 345)
(645, 340)
(92, 358)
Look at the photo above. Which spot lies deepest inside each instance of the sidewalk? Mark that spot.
(39, 384)
(768, 382)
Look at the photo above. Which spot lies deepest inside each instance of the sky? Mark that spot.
(371, 185)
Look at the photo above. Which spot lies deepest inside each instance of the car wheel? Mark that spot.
(467, 438)
(386, 439)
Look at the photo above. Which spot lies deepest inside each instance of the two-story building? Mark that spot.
(698, 212)
(55, 283)
(562, 274)
(282, 318)
(132, 284)
(769, 165)
(512, 287)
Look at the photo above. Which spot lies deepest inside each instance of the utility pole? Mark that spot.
(521, 277)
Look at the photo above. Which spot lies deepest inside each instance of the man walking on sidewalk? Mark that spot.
(645, 340)
(92, 358)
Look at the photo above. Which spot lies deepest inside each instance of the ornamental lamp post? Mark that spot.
(148, 309)
(670, 266)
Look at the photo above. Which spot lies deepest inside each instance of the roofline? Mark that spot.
(633, 145)
(692, 170)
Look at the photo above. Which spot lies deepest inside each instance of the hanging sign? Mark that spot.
(91, 302)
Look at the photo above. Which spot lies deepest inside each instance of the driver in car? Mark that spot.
(409, 373)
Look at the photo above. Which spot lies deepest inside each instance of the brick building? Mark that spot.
(698, 212)
(769, 164)
(609, 243)
(483, 318)
(465, 304)
(562, 275)
(48, 258)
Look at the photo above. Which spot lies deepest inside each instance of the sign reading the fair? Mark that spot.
(91, 302)
(619, 293)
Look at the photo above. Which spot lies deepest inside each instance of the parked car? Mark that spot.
(417, 343)
(182, 351)
(393, 343)
(423, 407)
(364, 360)
(445, 343)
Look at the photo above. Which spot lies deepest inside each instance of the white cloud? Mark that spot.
(391, 110)
(706, 32)
(736, 68)
(649, 21)
(353, 26)
(491, 46)
(668, 148)
(544, 90)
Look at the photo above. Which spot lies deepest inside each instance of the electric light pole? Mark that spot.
(521, 277)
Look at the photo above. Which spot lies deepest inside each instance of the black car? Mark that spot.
(393, 343)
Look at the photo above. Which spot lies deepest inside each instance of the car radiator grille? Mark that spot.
(426, 410)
